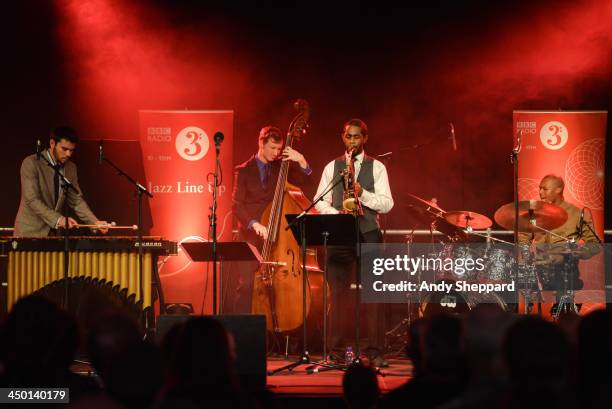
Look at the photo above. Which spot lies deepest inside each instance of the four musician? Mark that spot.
(42, 199)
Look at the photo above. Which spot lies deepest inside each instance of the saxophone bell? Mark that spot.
(350, 201)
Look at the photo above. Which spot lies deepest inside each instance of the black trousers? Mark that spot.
(342, 271)
(237, 281)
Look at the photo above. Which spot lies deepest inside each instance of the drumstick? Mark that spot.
(111, 225)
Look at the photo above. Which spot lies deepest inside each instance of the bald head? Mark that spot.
(551, 189)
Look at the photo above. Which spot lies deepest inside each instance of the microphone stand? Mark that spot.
(140, 189)
(588, 225)
(304, 359)
(65, 186)
(218, 137)
(514, 160)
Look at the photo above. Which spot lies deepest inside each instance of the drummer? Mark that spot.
(575, 227)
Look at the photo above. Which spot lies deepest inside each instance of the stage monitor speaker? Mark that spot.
(249, 333)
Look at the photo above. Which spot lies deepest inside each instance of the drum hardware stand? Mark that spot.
(405, 322)
(566, 301)
(140, 189)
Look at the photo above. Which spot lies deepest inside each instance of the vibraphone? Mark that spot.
(35, 262)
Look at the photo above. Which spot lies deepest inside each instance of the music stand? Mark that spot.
(323, 230)
(226, 251)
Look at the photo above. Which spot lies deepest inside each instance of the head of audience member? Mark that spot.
(551, 189)
(204, 356)
(136, 380)
(537, 354)
(442, 354)
(484, 329)
(594, 345)
(414, 346)
(569, 321)
(354, 135)
(62, 143)
(39, 343)
(109, 339)
(270, 144)
(360, 387)
(168, 347)
(129, 368)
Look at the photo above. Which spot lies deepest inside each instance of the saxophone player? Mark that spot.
(371, 188)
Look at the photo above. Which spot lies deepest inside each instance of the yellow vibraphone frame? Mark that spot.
(111, 259)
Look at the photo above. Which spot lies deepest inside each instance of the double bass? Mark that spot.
(278, 283)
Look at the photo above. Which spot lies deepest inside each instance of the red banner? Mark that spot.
(179, 160)
(571, 145)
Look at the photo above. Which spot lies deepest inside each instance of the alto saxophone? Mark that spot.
(350, 200)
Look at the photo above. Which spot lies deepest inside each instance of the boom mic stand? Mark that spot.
(140, 190)
(213, 221)
(514, 160)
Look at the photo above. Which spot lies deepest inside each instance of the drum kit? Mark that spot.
(529, 266)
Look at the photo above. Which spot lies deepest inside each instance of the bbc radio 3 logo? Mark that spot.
(192, 143)
(553, 135)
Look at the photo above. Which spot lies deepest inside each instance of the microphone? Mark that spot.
(38, 149)
(580, 226)
(100, 153)
(453, 138)
(218, 138)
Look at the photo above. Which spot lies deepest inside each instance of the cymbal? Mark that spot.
(465, 218)
(432, 204)
(546, 215)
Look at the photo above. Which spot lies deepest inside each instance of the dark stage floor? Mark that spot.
(329, 383)
(298, 383)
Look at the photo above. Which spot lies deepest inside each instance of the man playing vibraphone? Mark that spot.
(39, 213)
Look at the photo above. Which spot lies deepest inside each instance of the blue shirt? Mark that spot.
(265, 171)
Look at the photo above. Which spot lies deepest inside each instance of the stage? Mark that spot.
(298, 383)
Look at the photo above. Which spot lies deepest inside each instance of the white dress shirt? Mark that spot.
(380, 201)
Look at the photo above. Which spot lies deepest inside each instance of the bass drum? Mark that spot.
(457, 302)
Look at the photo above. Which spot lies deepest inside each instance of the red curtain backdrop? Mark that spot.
(179, 160)
(571, 145)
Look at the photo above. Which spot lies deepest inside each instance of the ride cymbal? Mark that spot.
(545, 215)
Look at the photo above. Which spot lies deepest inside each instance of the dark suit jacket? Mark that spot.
(250, 198)
(38, 213)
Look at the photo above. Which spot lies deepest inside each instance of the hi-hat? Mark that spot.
(465, 219)
(545, 216)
